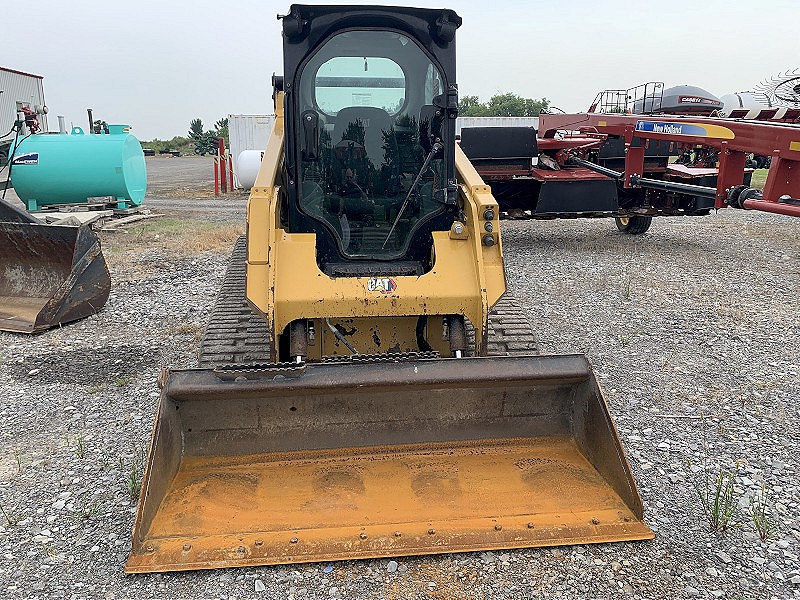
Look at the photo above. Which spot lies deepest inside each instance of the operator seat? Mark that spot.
(373, 121)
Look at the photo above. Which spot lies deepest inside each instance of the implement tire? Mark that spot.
(633, 225)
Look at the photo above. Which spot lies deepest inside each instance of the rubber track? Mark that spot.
(236, 335)
(510, 331)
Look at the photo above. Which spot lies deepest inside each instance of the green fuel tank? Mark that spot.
(68, 168)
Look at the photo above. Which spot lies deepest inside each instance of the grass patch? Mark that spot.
(80, 449)
(760, 516)
(87, 508)
(97, 389)
(123, 381)
(759, 178)
(179, 236)
(136, 472)
(626, 288)
(10, 518)
(192, 329)
(717, 501)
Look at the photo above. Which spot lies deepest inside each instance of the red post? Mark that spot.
(216, 176)
(223, 170)
(230, 169)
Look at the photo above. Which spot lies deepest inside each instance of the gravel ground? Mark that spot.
(692, 330)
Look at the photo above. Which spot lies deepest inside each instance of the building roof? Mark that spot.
(21, 73)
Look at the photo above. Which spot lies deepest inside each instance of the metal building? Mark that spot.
(18, 86)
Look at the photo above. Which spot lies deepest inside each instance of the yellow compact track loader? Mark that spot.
(369, 389)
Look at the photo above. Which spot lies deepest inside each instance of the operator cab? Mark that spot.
(370, 135)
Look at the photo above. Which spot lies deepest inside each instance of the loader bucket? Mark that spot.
(346, 461)
(49, 275)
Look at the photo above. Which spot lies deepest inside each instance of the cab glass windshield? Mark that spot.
(374, 174)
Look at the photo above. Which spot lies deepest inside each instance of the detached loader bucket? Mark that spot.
(49, 275)
(346, 461)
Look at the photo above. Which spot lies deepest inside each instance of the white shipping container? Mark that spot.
(248, 132)
(16, 86)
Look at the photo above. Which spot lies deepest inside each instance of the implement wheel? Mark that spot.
(633, 225)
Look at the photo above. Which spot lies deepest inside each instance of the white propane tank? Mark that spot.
(249, 163)
(750, 101)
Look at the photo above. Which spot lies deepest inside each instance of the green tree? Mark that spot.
(502, 105)
(471, 106)
(221, 128)
(196, 129)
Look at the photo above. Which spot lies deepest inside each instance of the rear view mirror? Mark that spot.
(310, 135)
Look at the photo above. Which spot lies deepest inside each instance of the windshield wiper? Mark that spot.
(437, 146)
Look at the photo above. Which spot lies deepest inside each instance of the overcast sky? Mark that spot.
(156, 64)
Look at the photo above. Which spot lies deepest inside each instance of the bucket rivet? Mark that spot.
(626, 519)
(293, 540)
(431, 531)
(187, 547)
(241, 550)
(150, 549)
(498, 527)
(595, 521)
(362, 535)
(259, 542)
(397, 534)
(530, 525)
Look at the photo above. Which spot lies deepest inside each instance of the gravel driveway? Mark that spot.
(692, 329)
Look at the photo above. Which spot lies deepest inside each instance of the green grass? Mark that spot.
(760, 516)
(717, 501)
(10, 518)
(759, 178)
(123, 381)
(88, 508)
(81, 447)
(180, 235)
(136, 472)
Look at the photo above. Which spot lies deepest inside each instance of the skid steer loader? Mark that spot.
(49, 275)
(369, 391)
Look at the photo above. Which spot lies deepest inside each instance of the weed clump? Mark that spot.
(718, 502)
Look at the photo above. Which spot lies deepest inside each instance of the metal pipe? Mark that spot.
(91, 120)
(671, 186)
(62, 124)
(574, 160)
(338, 335)
(223, 175)
(658, 184)
(778, 208)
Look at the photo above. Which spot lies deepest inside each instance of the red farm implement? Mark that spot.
(634, 167)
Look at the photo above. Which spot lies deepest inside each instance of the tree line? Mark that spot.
(501, 105)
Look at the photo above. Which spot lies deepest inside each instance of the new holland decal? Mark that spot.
(382, 285)
(706, 130)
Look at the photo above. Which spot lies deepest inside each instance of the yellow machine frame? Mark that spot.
(284, 282)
